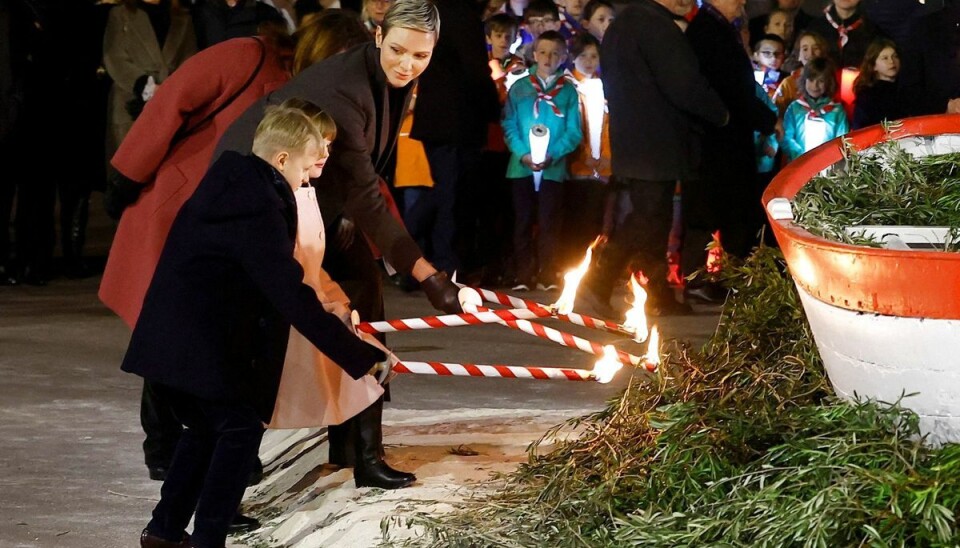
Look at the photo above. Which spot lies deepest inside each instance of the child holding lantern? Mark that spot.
(768, 53)
(545, 102)
(585, 193)
(814, 118)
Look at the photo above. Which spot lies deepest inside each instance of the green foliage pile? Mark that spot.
(740, 443)
(884, 185)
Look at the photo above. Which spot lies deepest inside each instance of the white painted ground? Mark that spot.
(305, 503)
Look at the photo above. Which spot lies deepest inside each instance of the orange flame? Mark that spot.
(636, 318)
(652, 357)
(571, 281)
(607, 366)
(714, 254)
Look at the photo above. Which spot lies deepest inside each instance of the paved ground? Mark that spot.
(71, 472)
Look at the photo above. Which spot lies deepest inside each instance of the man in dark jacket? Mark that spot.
(456, 101)
(219, 20)
(213, 332)
(727, 195)
(657, 98)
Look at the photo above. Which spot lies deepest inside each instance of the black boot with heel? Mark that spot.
(369, 468)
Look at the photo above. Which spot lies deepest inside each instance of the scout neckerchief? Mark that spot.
(546, 96)
(843, 30)
(512, 63)
(816, 111)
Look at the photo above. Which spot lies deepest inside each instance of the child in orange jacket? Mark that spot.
(586, 192)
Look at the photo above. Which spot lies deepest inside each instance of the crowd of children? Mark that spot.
(543, 61)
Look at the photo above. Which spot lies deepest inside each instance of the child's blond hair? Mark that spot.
(293, 126)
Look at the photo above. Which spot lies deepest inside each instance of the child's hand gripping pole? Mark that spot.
(383, 371)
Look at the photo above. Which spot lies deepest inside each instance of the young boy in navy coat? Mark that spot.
(213, 331)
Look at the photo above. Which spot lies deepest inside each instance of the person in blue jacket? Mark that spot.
(815, 117)
(544, 97)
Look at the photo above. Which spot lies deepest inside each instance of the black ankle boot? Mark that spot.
(370, 470)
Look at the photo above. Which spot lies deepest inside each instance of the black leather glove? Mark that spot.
(346, 233)
(443, 293)
(120, 193)
(135, 106)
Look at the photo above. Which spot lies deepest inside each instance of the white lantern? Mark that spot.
(539, 141)
(595, 105)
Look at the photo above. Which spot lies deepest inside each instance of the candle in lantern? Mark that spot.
(496, 71)
(847, 96)
(539, 140)
(595, 104)
(814, 133)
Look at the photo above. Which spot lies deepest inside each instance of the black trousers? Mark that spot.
(452, 220)
(584, 204)
(542, 209)
(354, 268)
(210, 468)
(161, 426)
(642, 237)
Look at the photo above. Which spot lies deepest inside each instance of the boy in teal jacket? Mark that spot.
(547, 98)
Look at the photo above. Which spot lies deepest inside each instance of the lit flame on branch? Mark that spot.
(652, 358)
(714, 254)
(636, 318)
(607, 366)
(571, 281)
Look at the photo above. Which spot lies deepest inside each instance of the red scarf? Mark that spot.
(512, 63)
(816, 112)
(548, 96)
(842, 30)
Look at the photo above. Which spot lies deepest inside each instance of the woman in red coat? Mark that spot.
(159, 165)
(165, 166)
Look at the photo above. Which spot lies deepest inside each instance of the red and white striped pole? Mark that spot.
(503, 371)
(452, 320)
(470, 299)
(574, 318)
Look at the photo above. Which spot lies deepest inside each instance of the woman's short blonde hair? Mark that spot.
(293, 126)
(421, 15)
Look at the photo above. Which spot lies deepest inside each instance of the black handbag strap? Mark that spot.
(185, 132)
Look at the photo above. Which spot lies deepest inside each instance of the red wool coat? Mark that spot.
(171, 169)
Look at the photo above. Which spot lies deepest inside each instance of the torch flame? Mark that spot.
(636, 319)
(607, 366)
(714, 254)
(652, 358)
(571, 281)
